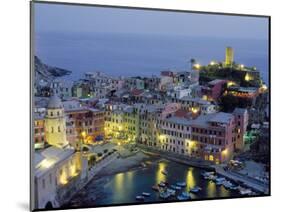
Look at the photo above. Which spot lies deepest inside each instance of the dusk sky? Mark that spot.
(68, 18)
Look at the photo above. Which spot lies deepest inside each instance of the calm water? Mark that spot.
(135, 54)
(123, 187)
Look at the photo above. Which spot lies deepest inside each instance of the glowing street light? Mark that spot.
(194, 110)
(83, 134)
(197, 66)
(212, 63)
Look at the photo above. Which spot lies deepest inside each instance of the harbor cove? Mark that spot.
(143, 174)
(122, 188)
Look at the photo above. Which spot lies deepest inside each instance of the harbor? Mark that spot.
(157, 181)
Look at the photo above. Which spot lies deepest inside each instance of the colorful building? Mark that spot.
(39, 131)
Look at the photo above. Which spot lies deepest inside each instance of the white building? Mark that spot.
(179, 92)
(62, 88)
(58, 168)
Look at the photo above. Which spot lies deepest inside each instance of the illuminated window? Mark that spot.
(211, 158)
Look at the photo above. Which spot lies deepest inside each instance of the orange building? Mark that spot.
(88, 123)
(39, 131)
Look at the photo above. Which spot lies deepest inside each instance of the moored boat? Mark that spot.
(146, 194)
(181, 184)
(161, 184)
(184, 196)
(195, 189)
(227, 184)
(219, 180)
(245, 191)
(164, 195)
(140, 198)
(176, 187)
(172, 192)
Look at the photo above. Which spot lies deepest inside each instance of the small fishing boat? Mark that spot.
(219, 180)
(176, 187)
(155, 188)
(206, 174)
(145, 194)
(140, 198)
(161, 184)
(184, 196)
(165, 182)
(245, 191)
(181, 184)
(195, 189)
(164, 195)
(172, 192)
(227, 184)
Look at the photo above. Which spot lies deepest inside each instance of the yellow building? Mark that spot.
(55, 125)
(58, 166)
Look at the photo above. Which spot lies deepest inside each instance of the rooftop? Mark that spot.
(49, 157)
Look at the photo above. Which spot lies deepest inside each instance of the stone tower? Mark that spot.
(55, 125)
(229, 57)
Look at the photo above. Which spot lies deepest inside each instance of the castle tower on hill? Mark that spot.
(229, 56)
(55, 125)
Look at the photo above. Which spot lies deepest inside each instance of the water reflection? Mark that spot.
(159, 175)
(122, 188)
(211, 189)
(190, 179)
(118, 182)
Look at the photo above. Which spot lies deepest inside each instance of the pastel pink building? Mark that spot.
(214, 89)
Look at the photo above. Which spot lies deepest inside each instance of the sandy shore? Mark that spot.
(123, 164)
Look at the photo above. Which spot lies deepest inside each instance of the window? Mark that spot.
(58, 113)
(51, 114)
(43, 184)
(52, 129)
(58, 128)
(50, 178)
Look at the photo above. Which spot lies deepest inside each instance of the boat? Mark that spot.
(245, 191)
(155, 188)
(184, 196)
(181, 184)
(164, 172)
(162, 184)
(219, 180)
(164, 195)
(227, 184)
(145, 194)
(176, 187)
(207, 174)
(195, 189)
(165, 182)
(172, 192)
(140, 198)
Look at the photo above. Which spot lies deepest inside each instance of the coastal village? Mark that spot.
(213, 116)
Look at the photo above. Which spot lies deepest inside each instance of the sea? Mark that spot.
(122, 188)
(119, 54)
